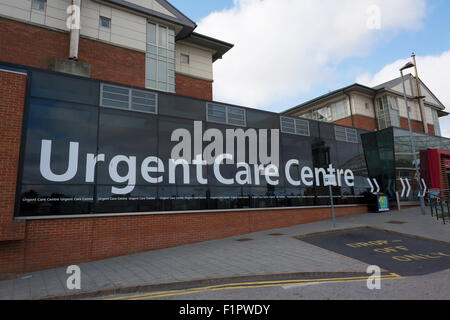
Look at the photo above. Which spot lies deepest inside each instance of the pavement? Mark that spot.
(273, 253)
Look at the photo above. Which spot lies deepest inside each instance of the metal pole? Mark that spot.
(413, 145)
(332, 206)
(419, 97)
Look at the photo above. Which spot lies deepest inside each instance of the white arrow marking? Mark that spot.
(376, 183)
(371, 185)
(404, 188)
(409, 188)
(426, 188)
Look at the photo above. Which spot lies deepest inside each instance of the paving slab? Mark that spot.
(263, 255)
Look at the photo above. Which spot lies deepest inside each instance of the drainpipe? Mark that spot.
(419, 97)
(74, 29)
(374, 101)
(351, 109)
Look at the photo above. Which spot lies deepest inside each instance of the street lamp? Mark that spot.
(413, 144)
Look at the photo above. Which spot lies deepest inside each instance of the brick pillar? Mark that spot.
(12, 98)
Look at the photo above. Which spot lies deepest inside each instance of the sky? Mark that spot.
(287, 52)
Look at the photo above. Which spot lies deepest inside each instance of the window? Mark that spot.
(294, 126)
(105, 22)
(39, 5)
(437, 126)
(307, 115)
(339, 110)
(333, 112)
(392, 101)
(128, 99)
(225, 115)
(387, 112)
(184, 59)
(160, 64)
(346, 134)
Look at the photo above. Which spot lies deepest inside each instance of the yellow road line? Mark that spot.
(244, 285)
(235, 284)
(257, 286)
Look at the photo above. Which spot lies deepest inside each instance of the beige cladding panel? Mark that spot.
(413, 91)
(359, 105)
(429, 115)
(24, 5)
(428, 96)
(127, 30)
(37, 17)
(200, 61)
(17, 12)
(414, 113)
(54, 16)
(59, 4)
(399, 88)
(152, 5)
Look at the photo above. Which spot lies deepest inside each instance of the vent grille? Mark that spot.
(225, 115)
(346, 134)
(295, 126)
(128, 99)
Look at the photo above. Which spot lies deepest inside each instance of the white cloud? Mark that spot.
(433, 70)
(285, 47)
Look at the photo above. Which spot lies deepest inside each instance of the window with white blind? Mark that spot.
(116, 97)
(225, 115)
(294, 126)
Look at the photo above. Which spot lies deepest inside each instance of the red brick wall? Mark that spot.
(344, 122)
(365, 123)
(360, 122)
(29, 45)
(61, 242)
(417, 126)
(12, 97)
(112, 63)
(33, 46)
(192, 87)
(370, 124)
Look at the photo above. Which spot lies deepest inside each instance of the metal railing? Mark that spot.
(439, 202)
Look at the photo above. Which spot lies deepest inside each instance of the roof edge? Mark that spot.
(351, 87)
(219, 46)
(180, 18)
